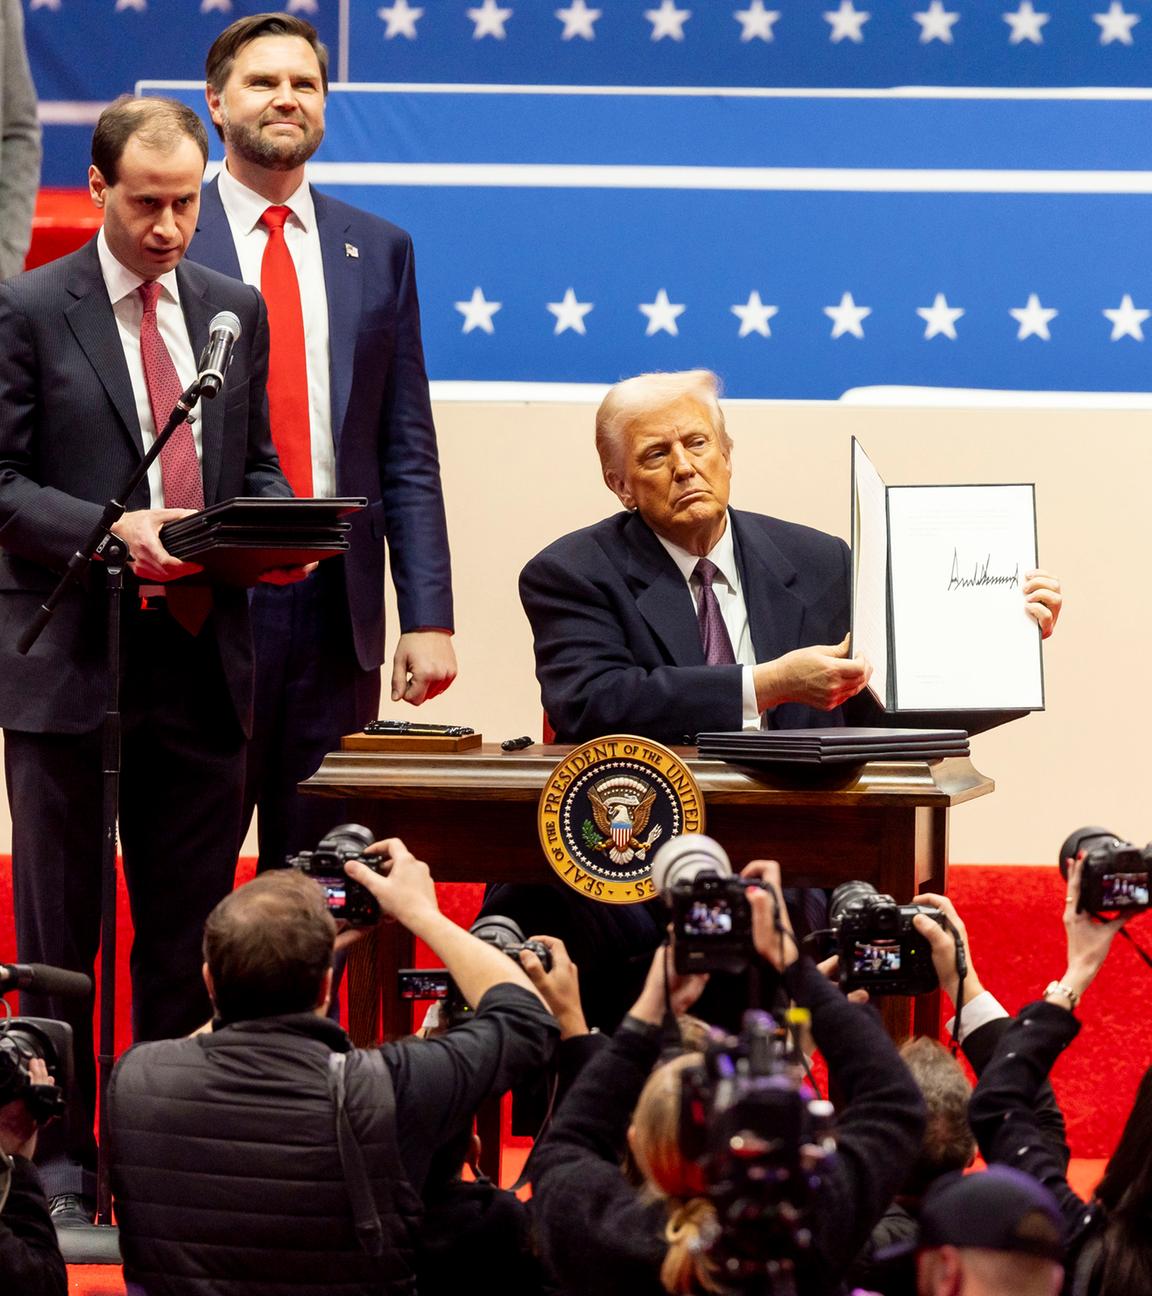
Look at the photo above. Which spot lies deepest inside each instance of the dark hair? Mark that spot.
(948, 1143)
(268, 946)
(1125, 1264)
(160, 123)
(218, 65)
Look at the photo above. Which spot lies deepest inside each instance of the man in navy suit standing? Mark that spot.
(350, 415)
(94, 350)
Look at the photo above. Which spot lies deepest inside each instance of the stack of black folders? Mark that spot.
(832, 746)
(237, 541)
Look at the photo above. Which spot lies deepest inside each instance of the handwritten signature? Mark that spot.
(980, 575)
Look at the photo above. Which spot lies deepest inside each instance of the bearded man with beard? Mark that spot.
(350, 415)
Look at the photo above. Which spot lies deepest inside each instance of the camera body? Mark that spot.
(879, 949)
(437, 985)
(711, 918)
(762, 1139)
(348, 900)
(1116, 876)
(21, 1040)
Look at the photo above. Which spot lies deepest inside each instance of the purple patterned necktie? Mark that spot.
(713, 632)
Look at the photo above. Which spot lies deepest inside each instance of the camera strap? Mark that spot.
(366, 1217)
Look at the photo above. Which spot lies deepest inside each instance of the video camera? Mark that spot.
(711, 917)
(348, 900)
(1116, 877)
(763, 1139)
(879, 948)
(21, 1040)
(437, 983)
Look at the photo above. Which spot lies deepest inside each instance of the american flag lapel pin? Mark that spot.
(351, 250)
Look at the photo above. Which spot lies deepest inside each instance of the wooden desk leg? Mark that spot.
(375, 1010)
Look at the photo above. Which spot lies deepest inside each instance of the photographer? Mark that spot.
(1109, 1243)
(326, 1157)
(599, 1234)
(887, 1263)
(30, 1259)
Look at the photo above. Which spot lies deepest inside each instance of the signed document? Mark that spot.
(937, 594)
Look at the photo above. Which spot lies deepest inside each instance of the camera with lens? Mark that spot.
(711, 917)
(1116, 876)
(437, 985)
(762, 1138)
(22, 1039)
(348, 900)
(880, 950)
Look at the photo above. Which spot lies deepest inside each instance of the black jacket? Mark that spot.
(226, 1170)
(30, 1259)
(599, 1234)
(1004, 1119)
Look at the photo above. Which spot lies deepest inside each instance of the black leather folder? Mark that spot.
(239, 540)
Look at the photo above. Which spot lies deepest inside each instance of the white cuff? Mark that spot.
(979, 1012)
(748, 685)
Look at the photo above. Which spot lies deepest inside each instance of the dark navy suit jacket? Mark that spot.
(616, 635)
(381, 416)
(69, 438)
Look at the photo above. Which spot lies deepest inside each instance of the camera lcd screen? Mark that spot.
(335, 893)
(1124, 890)
(876, 957)
(708, 918)
(423, 985)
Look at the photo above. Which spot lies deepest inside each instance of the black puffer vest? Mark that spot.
(228, 1175)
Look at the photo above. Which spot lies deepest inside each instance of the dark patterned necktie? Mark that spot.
(180, 471)
(713, 632)
(179, 465)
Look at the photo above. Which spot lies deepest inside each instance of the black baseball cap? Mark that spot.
(998, 1209)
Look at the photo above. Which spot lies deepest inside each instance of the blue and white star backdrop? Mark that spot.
(800, 243)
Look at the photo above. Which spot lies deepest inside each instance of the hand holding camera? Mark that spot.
(944, 942)
(1089, 939)
(19, 1125)
(558, 981)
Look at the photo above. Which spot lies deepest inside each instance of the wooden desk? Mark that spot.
(472, 816)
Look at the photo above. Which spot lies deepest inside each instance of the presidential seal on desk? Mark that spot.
(607, 806)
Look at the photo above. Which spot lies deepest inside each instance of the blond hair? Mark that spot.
(647, 394)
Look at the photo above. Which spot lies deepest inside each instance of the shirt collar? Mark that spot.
(723, 554)
(244, 206)
(122, 282)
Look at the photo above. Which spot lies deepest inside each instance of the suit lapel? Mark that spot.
(662, 595)
(344, 288)
(94, 326)
(213, 244)
(198, 311)
(774, 611)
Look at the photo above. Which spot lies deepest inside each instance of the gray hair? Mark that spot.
(646, 394)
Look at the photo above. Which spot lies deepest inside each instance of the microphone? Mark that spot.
(39, 978)
(223, 331)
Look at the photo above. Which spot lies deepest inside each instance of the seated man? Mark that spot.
(681, 615)
(267, 1154)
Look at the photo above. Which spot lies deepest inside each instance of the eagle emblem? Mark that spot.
(621, 807)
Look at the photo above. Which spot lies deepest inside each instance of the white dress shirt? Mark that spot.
(733, 608)
(244, 207)
(128, 308)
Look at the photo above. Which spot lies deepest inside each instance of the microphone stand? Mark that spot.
(103, 544)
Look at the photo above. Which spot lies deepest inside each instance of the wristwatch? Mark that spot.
(1058, 987)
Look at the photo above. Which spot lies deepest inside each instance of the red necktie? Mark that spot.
(287, 362)
(179, 465)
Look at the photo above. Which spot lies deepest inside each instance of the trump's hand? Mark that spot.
(424, 666)
(1043, 600)
(822, 676)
